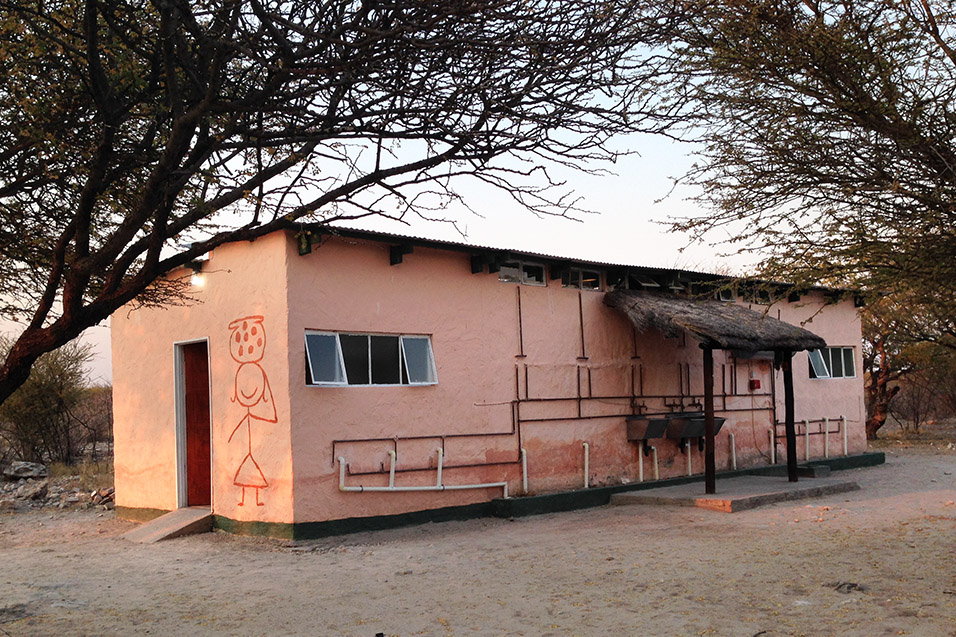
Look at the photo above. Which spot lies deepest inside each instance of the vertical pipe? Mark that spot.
(826, 437)
(524, 471)
(710, 463)
(391, 467)
(657, 466)
(640, 461)
(441, 461)
(806, 439)
(788, 411)
(587, 462)
(773, 447)
(690, 470)
(846, 446)
(733, 452)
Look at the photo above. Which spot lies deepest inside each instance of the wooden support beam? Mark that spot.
(787, 365)
(710, 464)
(396, 254)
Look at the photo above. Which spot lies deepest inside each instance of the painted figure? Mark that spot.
(247, 343)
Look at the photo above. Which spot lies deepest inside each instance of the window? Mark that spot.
(369, 359)
(832, 362)
(726, 295)
(581, 279)
(522, 272)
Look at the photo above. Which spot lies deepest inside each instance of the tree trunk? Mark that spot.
(879, 393)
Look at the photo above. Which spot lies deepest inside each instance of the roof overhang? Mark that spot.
(716, 324)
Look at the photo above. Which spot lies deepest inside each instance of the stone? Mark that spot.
(20, 469)
(32, 491)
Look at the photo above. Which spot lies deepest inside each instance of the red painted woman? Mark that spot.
(247, 343)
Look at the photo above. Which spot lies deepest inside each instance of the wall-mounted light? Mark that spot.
(196, 279)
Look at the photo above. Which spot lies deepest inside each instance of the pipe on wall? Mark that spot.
(806, 439)
(846, 445)
(826, 437)
(773, 447)
(435, 487)
(587, 462)
(733, 452)
(524, 471)
(391, 467)
(640, 461)
(657, 466)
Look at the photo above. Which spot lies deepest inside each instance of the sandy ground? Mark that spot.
(881, 561)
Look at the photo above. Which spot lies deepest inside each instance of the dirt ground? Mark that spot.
(879, 561)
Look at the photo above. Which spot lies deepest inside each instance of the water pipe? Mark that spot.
(690, 470)
(524, 471)
(587, 462)
(846, 446)
(826, 437)
(391, 467)
(806, 439)
(435, 487)
(441, 461)
(657, 467)
(640, 461)
(733, 452)
(773, 447)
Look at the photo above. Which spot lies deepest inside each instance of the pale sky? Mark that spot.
(625, 230)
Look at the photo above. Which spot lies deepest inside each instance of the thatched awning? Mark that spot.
(717, 324)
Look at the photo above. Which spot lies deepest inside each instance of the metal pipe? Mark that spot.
(806, 439)
(640, 461)
(826, 437)
(657, 467)
(733, 452)
(587, 462)
(441, 462)
(444, 487)
(773, 446)
(524, 471)
(391, 467)
(846, 445)
(690, 470)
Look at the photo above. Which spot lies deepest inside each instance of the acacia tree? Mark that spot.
(136, 136)
(829, 140)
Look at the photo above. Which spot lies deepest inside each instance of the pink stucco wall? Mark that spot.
(512, 373)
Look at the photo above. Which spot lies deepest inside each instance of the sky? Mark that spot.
(628, 226)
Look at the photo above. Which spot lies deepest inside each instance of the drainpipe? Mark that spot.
(690, 470)
(391, 467)
(657, 467)
(773, 448)
(640, 461)
(441, 461)
(846, 446)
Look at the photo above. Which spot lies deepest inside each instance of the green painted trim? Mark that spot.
(500, 507)
(137, 514)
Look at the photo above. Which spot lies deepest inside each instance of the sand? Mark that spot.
(878, 561)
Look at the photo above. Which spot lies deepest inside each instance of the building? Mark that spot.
(333, 379)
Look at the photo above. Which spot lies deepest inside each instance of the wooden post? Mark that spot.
(788, 415)
(710, 466)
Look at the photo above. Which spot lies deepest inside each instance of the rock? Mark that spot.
(32, 491)
(20, 469)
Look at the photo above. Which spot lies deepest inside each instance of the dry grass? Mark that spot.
(86, 475)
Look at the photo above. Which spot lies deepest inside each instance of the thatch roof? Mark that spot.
(717, 324)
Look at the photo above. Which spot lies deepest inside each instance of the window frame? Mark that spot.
(826, 359)
(579, 284)
(403, 371)
(522, 277)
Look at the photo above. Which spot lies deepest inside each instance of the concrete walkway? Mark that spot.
(185, 521)
(737, 494)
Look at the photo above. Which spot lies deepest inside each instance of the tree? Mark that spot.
(828, 140)
(136, 136)
(883, 363)
(36, 421)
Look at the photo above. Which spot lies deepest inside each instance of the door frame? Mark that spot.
(179, 378)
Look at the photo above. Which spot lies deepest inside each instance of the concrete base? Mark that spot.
(176, 523)
(737, 494)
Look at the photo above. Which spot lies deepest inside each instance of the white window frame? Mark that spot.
(402, 362)
(824, 357)
(522, 277)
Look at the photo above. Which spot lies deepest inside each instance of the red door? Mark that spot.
(196, 386)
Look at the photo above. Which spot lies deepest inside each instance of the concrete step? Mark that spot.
(737, 494)
(186, 521)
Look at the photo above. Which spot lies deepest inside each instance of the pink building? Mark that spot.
(334, 380)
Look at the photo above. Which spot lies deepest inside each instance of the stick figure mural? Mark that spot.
(247, 344)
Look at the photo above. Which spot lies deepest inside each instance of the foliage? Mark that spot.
(829, 141)
(36, 421)
(136, 136)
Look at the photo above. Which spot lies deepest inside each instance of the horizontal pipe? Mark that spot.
(444, 487)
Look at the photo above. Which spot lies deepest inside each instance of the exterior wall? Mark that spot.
(543, 368)
(540, 368)
(241, 280)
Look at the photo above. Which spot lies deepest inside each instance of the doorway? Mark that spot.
(194, 466)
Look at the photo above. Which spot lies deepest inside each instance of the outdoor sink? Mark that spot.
(645, 427)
